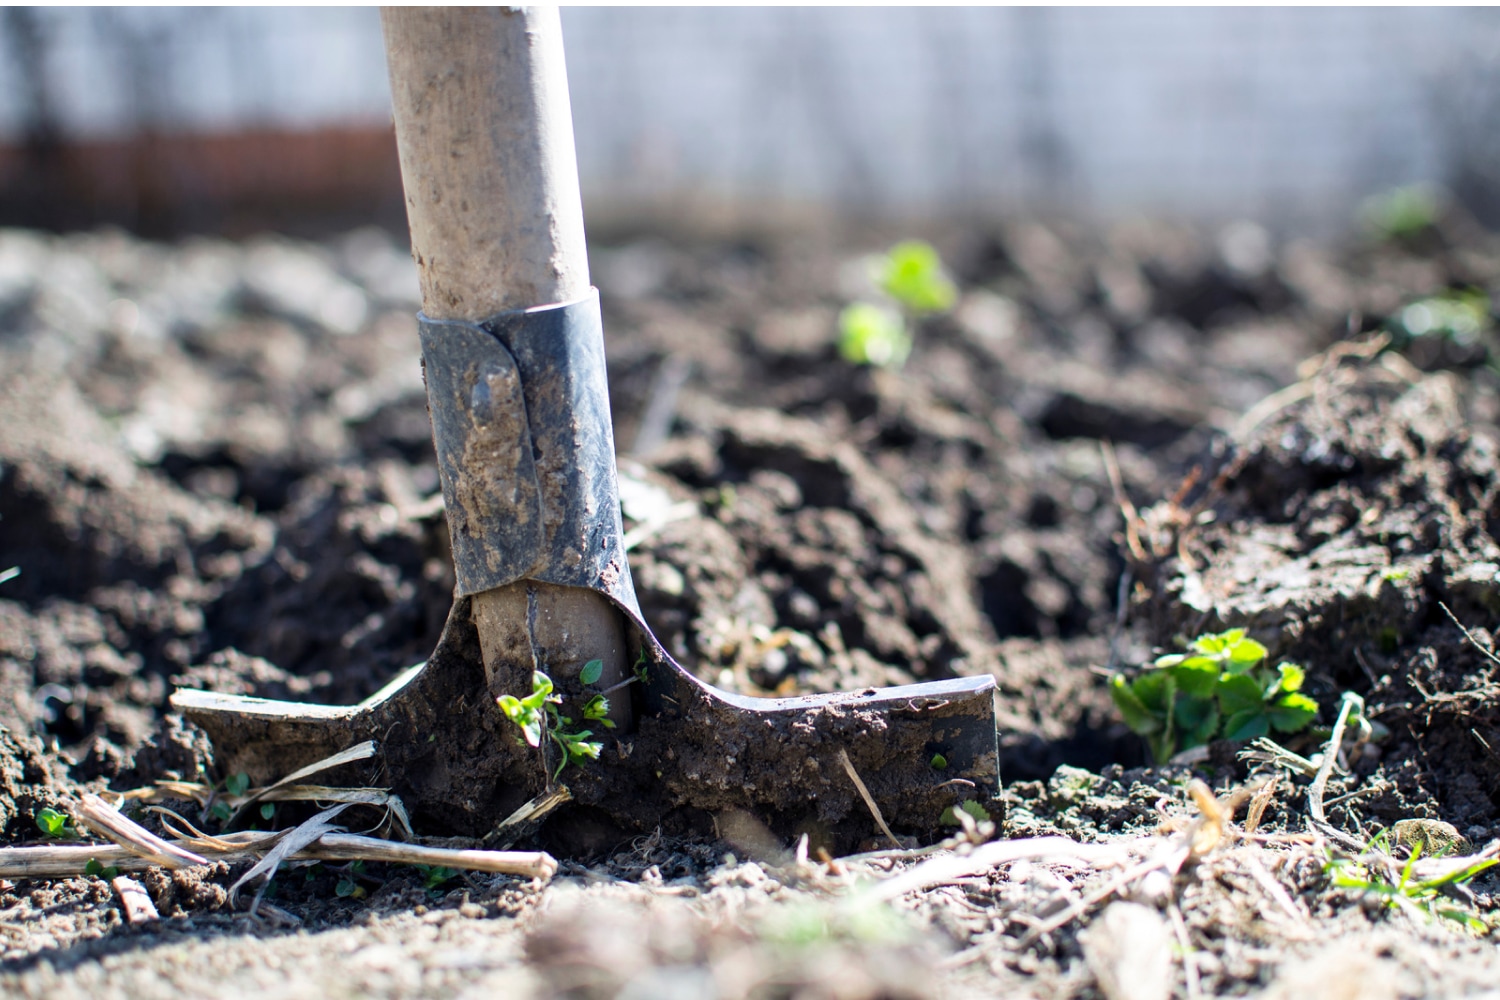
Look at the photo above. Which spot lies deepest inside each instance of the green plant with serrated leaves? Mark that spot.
(912, 283)
(1221, 688)
(538, 716)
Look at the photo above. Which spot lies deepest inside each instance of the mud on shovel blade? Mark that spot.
(694, 751)
(520, 410)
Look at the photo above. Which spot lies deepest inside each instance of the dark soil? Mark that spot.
(216, 471)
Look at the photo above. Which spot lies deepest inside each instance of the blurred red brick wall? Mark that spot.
(235, 183)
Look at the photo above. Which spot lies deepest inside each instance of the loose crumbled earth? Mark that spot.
(216, 471)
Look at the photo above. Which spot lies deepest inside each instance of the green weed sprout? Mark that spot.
(1402, 212)
(1460, 316)
(538, 714)
(54, 825)
(873, 335)
(910, 277)
(435, 877)
(1220, 688)
(913, 275)
(96, 868)
(1427, 896)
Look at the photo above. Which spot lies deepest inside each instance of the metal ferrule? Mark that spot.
(525, 449)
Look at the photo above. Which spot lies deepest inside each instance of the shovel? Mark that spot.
(513, 356)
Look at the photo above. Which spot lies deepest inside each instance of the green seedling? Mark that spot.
(435, 877)
(873, 335)
(911, 279)
(96, 869)
(54, 825)
(591, 672)
(1429, 896)
(537, 714)
(235, 785)
(1460, 316)
(641, 669)
(1401, 213)
(974, 809)
(1219, 689)
(913, 275)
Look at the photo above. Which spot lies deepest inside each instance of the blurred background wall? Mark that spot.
(234, 119)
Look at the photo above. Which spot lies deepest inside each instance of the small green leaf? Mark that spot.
(51, 822)
(1213, 645)
(1292, 712)
(1247, 652)
(1203, 733)
(591, 672)
(267, 810)
(1170, 660)
(1247, 725)
(541, 690)
(912, 274)
(873, 335)
(1197, 677)
(237, 784)
(940, 763)
(346, 887)
(596, 708)
(1156, 691)
(976, 810)
(950, 818)
(1238, 693)
(96, 869)
(1197, 719)
(1292, 677)
(433, 876)
(221, 811)
(1133, 710)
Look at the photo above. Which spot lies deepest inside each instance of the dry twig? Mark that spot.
(60, 861)
(107, 821)
(1319, 786)
(864, 793)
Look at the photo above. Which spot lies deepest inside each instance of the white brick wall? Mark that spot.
(1287, 115)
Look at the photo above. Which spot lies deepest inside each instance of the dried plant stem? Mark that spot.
(49, 861)
(105, 820)
(864, 793)
(1319, 787)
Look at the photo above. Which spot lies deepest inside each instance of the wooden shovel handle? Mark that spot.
(485, 134)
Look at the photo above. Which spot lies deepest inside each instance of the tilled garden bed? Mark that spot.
(216, 471)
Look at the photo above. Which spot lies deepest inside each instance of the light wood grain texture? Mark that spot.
(485, 134)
